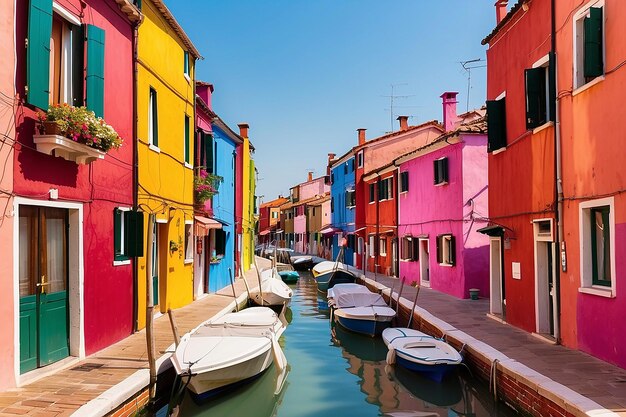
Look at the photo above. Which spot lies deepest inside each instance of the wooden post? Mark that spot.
(245, 281)
(258, 273)
(399, 294)
(150, 309)
(232, 284)
(414, 304)
(174, 327)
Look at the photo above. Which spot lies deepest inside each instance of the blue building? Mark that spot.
(343, 204)
(222, 147)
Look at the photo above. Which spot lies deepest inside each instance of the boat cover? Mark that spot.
(354, 295)
(326, 266)
(378, 313)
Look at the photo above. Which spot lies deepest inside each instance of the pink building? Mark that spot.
(302, 194)
(442, 201)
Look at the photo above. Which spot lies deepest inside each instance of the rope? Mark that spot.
(493, 379)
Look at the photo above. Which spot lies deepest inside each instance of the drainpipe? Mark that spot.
(377, 240)
(397, 198)
(135, 164)
(558, 186)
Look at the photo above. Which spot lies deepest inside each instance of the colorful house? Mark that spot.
(269, 219)
(442, 201)
(592, 202)
(7, 124)
(222, 237)
(165, 99)
(370, 157)
(245, 201)
(522, 200)
(301, 195)
(72, 265)
(343, 204)
(318, 217)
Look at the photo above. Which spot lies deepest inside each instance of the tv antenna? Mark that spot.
(392, 97)
(468, 66)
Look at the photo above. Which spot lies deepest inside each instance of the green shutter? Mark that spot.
(496, 124)
(186, 139)
(133, 233)
(208, 146)
(439, 249)
(186, 62)
(593, 64)
(95, 70)
(452, 251)
(155, 117)
(535, 97)
(117, 235)
(38, 53)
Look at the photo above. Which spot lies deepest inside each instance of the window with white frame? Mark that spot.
(441, 171)
(371, 246)
(119, 235)
(359, 157)
(404, 181)
(359, 247)
(153, 124)
(66, 43)
(446, 252)
(385, 189)
(597, 237)
(350, 198)
(537, 93)
(589, 43)
(188, 242)
(383, 246)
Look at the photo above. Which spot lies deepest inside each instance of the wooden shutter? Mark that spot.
(496, 124)
(452, 255)
(187, 145)
(38, 53)
(404, 181)
(133, 233)
(593, 61)
(443, 174)
(415, 252)
(207, 140)
(439, 249)
(535, 79)
(95, 70)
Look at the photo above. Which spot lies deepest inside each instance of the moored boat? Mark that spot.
(272, 291)
(420, 352)
(289, 276)
(227, 352)
(328, 278)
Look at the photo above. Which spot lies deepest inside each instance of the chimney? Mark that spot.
(204, 91)
(243, 130)
(331, 156)
(500, 10)
(310, 177)
(449, 110)
(404, 122)
(361, 135)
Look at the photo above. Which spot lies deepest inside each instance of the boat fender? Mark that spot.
(391, 356)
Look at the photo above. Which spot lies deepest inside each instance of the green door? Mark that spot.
(155, 265)
(43, 286)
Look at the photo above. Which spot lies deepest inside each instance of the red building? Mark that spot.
(269, 219)
(74, 270)
(523, 253)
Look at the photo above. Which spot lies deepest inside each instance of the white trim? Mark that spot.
(76, 331)
(542, 62)
(424, 256)
(541, 237)
(576, 44)
(161, 221)
(188, 165)
(590, 84)
(544, 126)
(189, 222)
(186, 76)
(501, 96)
(154, 148)
(586, 275)
(120, 263)
(495, 282)
(499, 150)
(66, 14)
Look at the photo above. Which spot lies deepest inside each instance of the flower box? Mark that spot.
(57, 145)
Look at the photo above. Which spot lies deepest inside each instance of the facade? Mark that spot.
(71, 267)
(593, 204)
(246, 200)
(523, 253)
(269, 220)
(318, 215)
(442, 201)
(165, 110)
(301, 195)
(370, 157)
(7, 125)
(343, 205)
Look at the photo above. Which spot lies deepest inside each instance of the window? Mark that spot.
(186, 63)
(597, 231)
(404, 181)
(441, 171)
(332, 205)
(187, 145)
(350, 198)
(446, 251)
(537, 84)
(410, 249)
(385, 189)
(352, 165)
(496, 124)
(188, 242)
(383, 246)
(119, 233)
(371, 246)
(220, 242)
(313, 210)
(206, 159)
(351, 242)
(372, 193)
(153, 120)
(128, 235)
(59, 49)
(589, 43)
(359, 248)
(345, 168)
(359, 157)
(274, 215)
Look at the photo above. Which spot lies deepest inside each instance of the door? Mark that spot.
(496, 279)
(394, 257)
(545, 272)
(43, 277)
(424, 261)
(155, 265)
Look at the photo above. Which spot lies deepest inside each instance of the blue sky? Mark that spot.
(305, 74)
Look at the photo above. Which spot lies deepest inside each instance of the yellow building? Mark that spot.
(248, 220)
(165, 94)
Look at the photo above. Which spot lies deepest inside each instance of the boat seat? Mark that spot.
(419, 345)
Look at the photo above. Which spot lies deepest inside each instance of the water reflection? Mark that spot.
(318, 384)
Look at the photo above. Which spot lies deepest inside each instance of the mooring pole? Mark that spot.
(173, 326)
(150, 310)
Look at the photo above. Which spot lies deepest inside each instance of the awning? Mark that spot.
(279, 231)
(221, 221)
(495, 231)
(265, 232)
(387, 231)
(354, 232)
(204, 224)
(329, 230)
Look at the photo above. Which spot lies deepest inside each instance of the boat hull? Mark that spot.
(434, 372)
(330, 278)
(367, 327)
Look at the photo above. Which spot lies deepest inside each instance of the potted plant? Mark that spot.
(205, 186)
(80, 125)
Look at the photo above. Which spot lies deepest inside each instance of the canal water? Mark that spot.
(336, 373)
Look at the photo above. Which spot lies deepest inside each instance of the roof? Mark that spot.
(367, 143)
(275, 203)
(320, 200)
(204, 107)
(305, 201)
(504, 21)
(171, 20)
(217, 121)
(130, 10)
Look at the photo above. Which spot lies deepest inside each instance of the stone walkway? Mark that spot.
(63, 392)
(595, 379)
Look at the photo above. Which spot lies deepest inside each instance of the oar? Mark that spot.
(232, 284)
(414, 305)
(243, 276)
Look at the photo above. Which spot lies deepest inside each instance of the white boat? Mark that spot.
(358, 309)
(229, 351)
(273, 291)
(327, 266)
(327, 274)
(420, 352)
